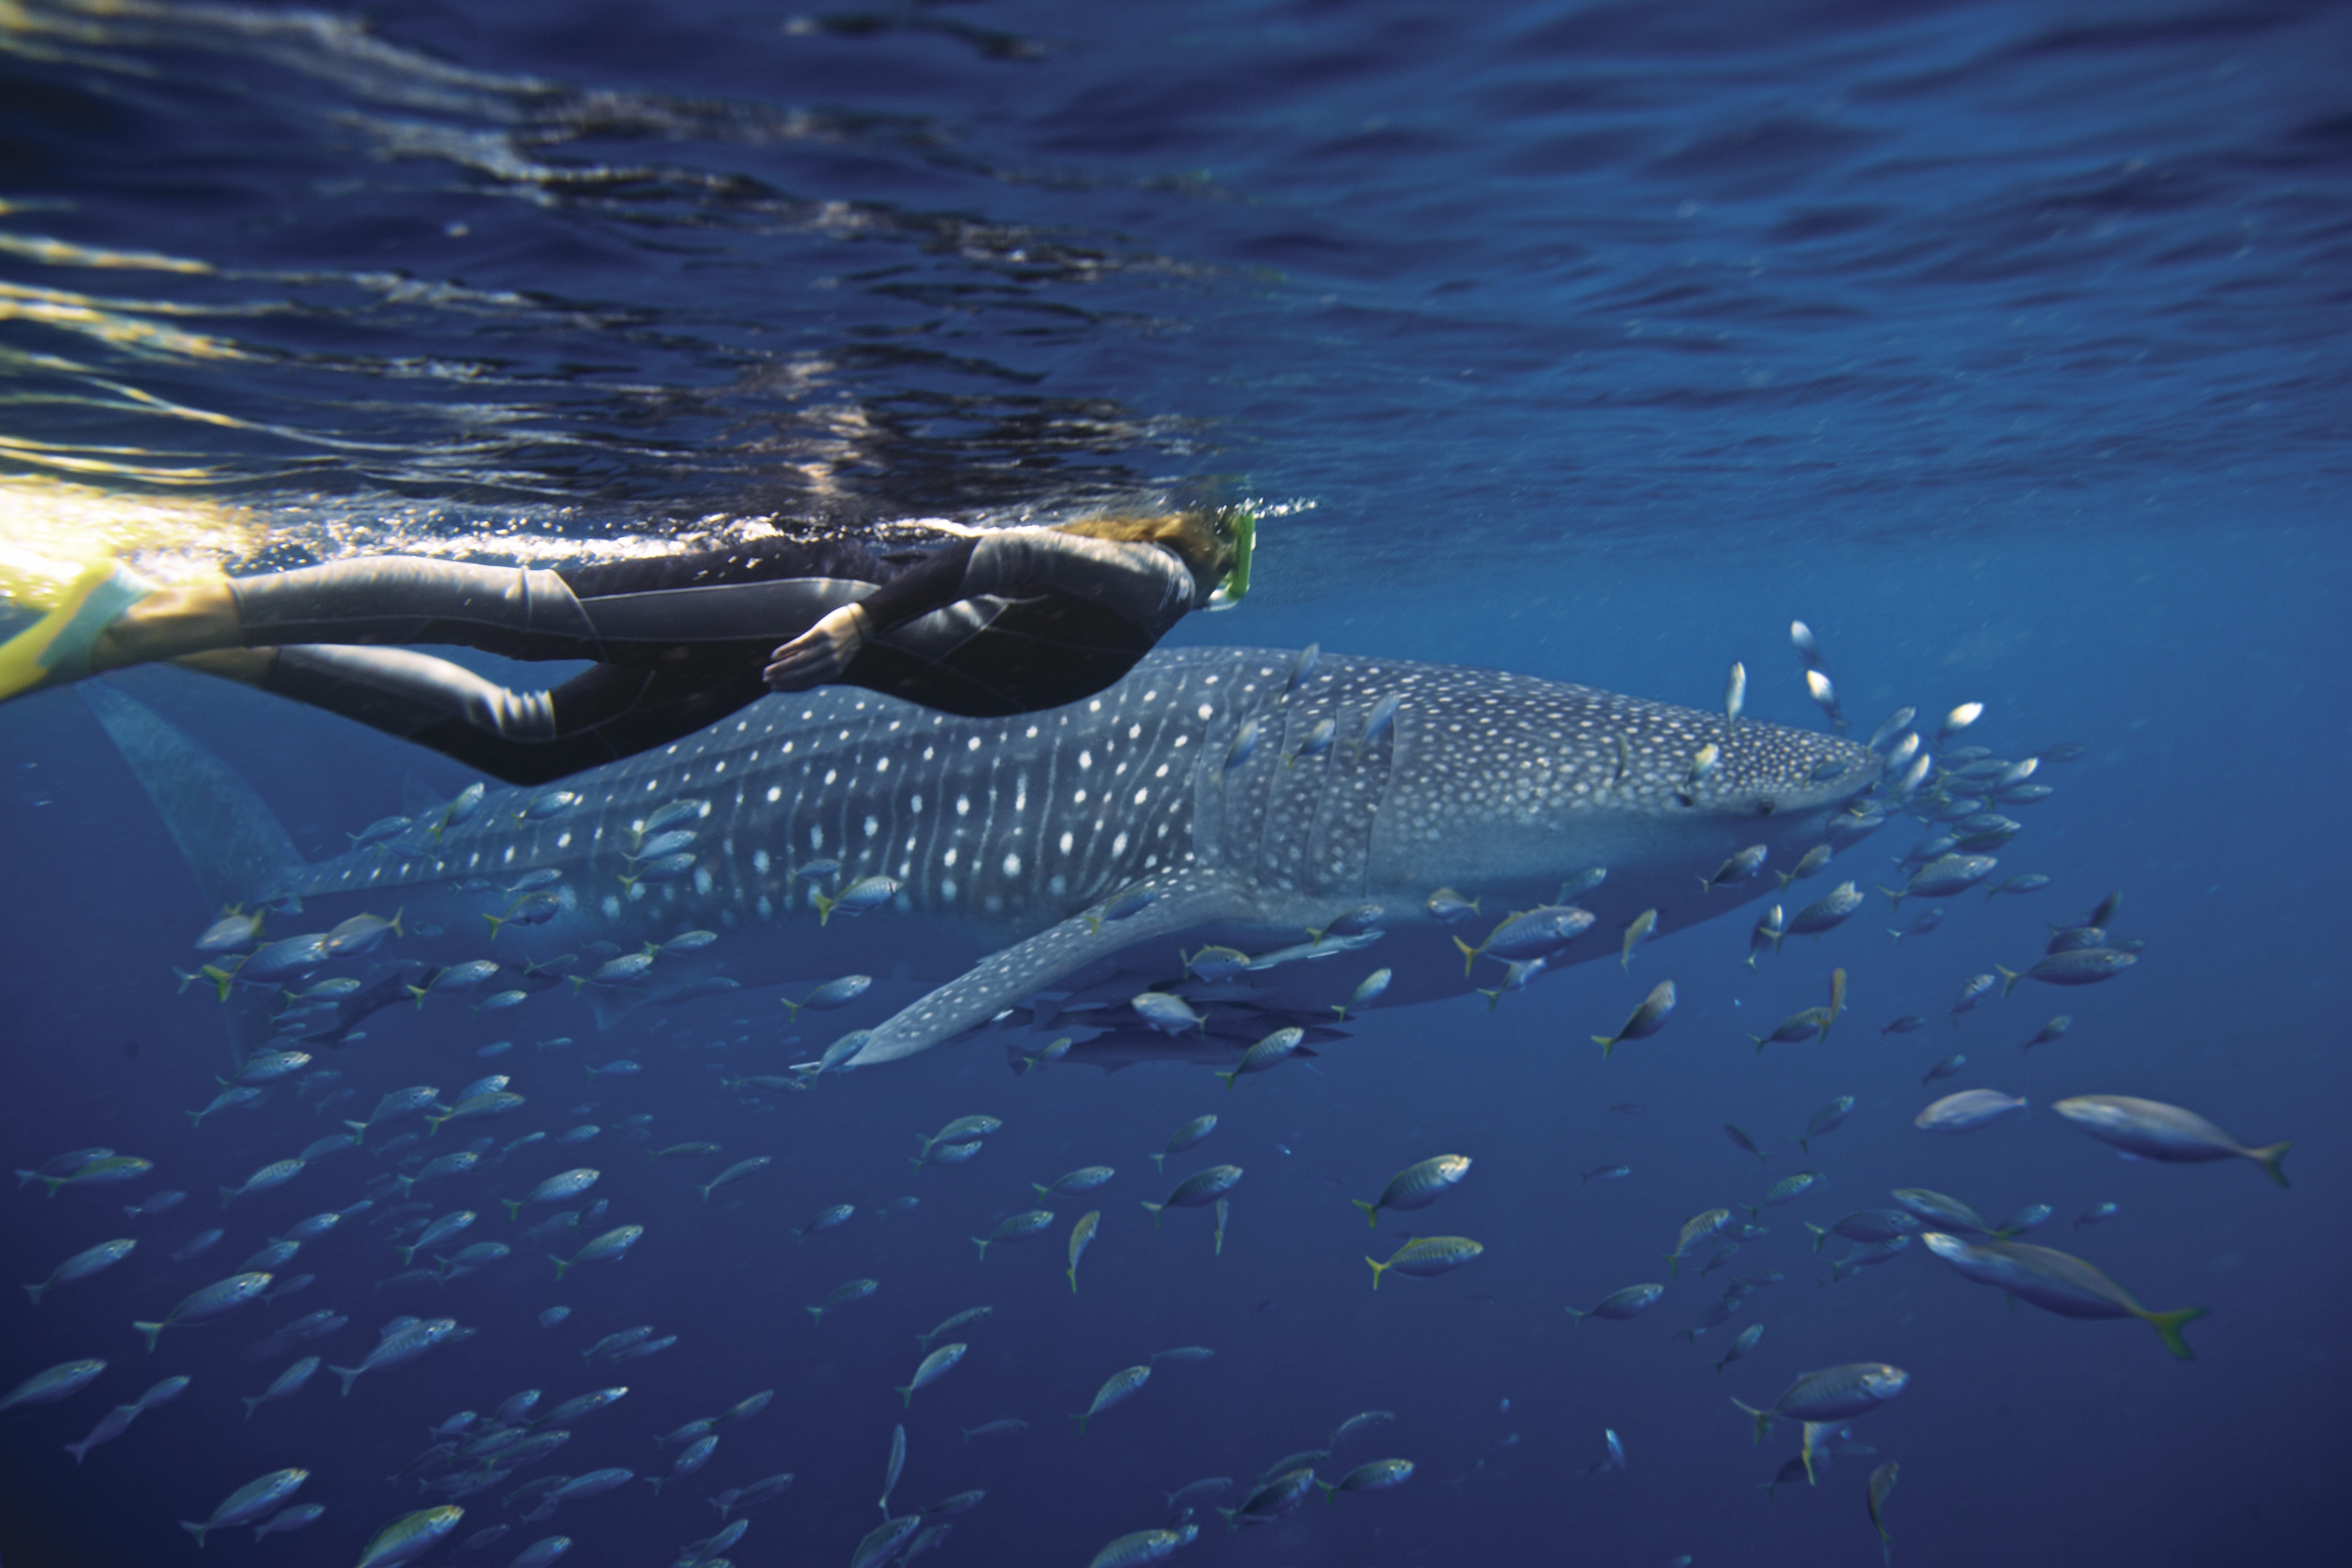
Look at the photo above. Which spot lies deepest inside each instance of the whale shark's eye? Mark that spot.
(1767, 807)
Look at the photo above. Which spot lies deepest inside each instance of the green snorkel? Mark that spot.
(1236, 584)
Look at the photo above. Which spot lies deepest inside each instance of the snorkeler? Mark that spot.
(995, 622)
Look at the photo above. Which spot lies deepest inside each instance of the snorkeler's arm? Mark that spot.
(1146, 584)
(824, 651)
(932, 583)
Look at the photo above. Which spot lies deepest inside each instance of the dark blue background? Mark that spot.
(2004, 344)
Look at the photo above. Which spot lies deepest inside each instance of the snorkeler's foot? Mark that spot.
(56, 649)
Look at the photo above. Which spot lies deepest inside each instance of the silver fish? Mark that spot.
(1631, 1302)
(1966, 1110)
(2074, 966)
(1834, 1394)
(2057, 1282)
(1417, 1186)
(1645, 1020)
(2151, 1129)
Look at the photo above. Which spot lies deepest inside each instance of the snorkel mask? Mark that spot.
(1243, 522)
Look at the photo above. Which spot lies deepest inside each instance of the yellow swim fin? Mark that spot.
(56, 648)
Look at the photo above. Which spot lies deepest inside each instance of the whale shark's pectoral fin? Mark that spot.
(1184, 900)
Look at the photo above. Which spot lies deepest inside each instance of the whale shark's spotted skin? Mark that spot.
(1004, 833)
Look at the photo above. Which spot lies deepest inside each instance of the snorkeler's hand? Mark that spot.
(819, 653)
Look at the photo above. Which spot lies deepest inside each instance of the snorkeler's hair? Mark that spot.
(1201, 536)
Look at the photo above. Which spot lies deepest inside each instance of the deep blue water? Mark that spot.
(2003, 344)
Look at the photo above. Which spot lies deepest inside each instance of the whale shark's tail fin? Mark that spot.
(232, 841)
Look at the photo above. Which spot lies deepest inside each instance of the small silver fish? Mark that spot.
(277, 1173)
(1447, 906)
(1244, 746)
(2074, 966)
(1167, 1014)
(832, 994)
(1317, 743)
(1966, 1110)
(1417, 1186)
(825, 1219)
(553, 803)
(1702, 766)
(1973, 991)
(1827, 912)
(1268, 1053)
(1085, 1179)
(232, 930)
(1197, 1191)
(1697, 1229)
(1825, 693)
(1427, 1257)
(1834, 1394)
(1619, 1305)
(2050, 1032)
(1124, 907)
(2057, 1282)
(1645, 1021)
(1117, 1387)
(1868, 1254)
(1740, 1346)
(1643, 927)
(1882, 1483)
(1192, 1136)
(1020, 1227)
(1808, 864)
(1895, 724)
(1788, 1189)
(1737, 868)
(1828, 1118)
(1811, 1021)
(1368, 991)
(1082, 1236)
(2151, 1129)
(863, 894)
(1920, 926)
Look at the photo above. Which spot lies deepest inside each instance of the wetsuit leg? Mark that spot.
(510, 610)
(632, 612)
(679, 641)
(607, 713)
(401, 693)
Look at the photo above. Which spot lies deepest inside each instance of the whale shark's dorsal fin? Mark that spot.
(1184, 900)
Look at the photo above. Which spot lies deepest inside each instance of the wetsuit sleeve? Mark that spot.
(933, 584)
(1146, 584)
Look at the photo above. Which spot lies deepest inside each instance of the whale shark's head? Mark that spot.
(1511, 779)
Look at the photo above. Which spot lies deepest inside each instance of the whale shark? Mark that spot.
(1034, 871)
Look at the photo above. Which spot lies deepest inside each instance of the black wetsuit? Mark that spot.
(1009, 622)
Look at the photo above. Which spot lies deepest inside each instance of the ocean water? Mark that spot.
(2004, 345)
